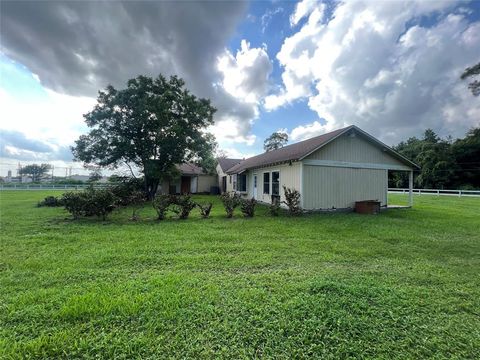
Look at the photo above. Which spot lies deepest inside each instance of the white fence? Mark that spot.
(437, 192)
(50, 186)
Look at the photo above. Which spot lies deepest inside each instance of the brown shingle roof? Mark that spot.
(301, 149)
(226, 163)
(190, 169)
(287, 153)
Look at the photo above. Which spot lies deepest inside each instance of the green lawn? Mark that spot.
(403, 284)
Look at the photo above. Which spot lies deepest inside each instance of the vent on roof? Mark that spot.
(351, 134)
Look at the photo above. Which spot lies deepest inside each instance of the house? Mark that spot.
(192, 180)
(225, 181)
(330, 171)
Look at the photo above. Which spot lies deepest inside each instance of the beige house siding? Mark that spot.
(328, 187)
(289, 176)
(205, 182)
(354, 149)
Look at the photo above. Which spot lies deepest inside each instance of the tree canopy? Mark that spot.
(153, 125)
(472, 71)
(275, 141)
(444, 163)
(35, 171)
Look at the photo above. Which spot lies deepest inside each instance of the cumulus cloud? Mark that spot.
(378, 66)
(245, 76)
(77, 48)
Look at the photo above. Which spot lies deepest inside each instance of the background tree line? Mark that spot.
(444, 163)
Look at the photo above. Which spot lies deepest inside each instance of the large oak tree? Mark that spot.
(153, 125)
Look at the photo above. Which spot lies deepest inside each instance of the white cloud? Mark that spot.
(267, 17)
(55, 119)
(245, 75)
(305, 8)
(361, 66)
(236, 154)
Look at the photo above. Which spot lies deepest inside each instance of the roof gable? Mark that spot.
(226, 163)
(291, 152)
(302, 149)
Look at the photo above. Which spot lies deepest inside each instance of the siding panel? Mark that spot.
(336, 187)
(354, 149)
(289, 177)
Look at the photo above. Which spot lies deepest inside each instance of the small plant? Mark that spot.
(50, 201)
(275, 206)
(292, 200)
(183, 206)
(161, 204)
(248, 207)
(230, 202)
(136, 201)
(205, 209)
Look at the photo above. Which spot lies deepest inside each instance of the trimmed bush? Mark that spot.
(99, 202)
(136, 200)
(90, 202)
(230, 202)
(50, 201)
(292, 200)
(274, 208)
(74, 203)
(248, 207)
(161, 204)
(183, 206)
(205, 209)
(127, 192)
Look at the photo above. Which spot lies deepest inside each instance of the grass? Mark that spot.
(403, 284)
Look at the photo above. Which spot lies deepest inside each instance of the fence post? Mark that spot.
(459, 193)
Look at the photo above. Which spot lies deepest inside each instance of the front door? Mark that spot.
(254, 186)
(185, 185)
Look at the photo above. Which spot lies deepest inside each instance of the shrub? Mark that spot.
(127, 191)
(292, 200)
(99, 202)
(183, 206)
(248, 207)
(274, 208)
(90, 202)
(230, 202)
(74, 203)
(205, 209)
(50, 201)
(161, 204)
(136, 201)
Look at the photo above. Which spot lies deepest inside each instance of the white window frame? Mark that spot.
(270, 185)
(246, 184)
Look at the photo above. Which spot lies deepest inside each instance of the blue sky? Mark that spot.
(391, 68)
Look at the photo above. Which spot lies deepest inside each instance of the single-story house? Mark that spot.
(225, 181)
(331, 171)
(192, 180)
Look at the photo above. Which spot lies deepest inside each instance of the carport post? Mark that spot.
(410, 188)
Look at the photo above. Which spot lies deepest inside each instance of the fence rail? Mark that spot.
(437, 192)
(51, 186)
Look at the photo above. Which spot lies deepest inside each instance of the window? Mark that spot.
(266, 183)
(230, 179)
(234, 181)
(275, 183)
(242, 183)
